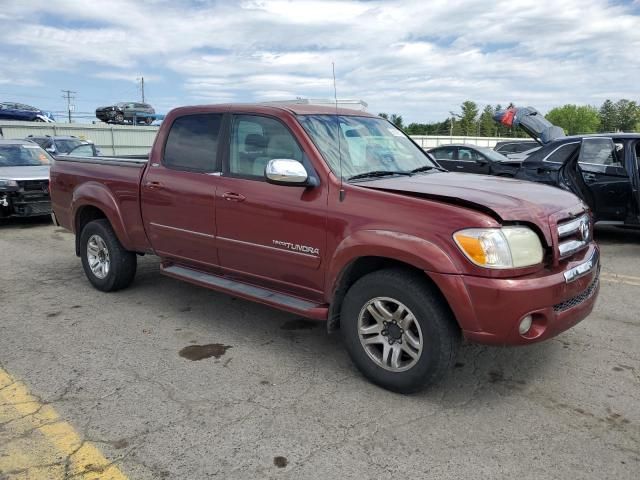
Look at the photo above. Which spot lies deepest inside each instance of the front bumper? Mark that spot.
(489, 310)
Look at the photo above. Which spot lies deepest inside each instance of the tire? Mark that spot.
(119, 118)
(433, 328)
(121, 264)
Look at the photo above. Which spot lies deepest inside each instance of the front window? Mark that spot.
(363, 144)
(23, 156)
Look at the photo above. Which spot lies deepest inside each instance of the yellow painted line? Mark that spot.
(617, 278)
(35, 442)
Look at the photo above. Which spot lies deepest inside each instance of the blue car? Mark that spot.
(26, 113)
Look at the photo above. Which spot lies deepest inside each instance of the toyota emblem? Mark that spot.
(584, 230)
(45, 188)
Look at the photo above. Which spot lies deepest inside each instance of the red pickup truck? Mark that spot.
(337, 215)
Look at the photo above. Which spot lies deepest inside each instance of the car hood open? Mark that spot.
(504, 198)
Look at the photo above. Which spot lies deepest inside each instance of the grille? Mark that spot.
(573, 235)
(578, 299)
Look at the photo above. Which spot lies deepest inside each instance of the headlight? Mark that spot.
(6, 183)
(506, 247)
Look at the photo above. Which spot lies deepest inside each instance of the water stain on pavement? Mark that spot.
(280, 462)
(200, 352)
(299, 324)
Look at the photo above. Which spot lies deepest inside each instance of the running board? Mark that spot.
(278, 300)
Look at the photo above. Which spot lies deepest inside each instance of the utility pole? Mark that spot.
(142, 87)
(69, 95)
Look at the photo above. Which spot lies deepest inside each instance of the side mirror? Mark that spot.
(481, 161)
(50, 150)
(283, 171)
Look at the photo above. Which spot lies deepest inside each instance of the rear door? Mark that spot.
(602, 166)
(178, 193)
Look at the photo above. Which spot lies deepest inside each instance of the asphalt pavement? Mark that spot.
(166, 380)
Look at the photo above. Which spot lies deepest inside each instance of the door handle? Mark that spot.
(589, 177)
(459, 166)
(233, 197)
(153, 185)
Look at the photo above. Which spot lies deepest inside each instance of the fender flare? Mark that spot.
(415, 251)
(96, 195)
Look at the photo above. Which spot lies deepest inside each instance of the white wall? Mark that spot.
(130, 140)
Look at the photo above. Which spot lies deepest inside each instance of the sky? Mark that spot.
(420, 59)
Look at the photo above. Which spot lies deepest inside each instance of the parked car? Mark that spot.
(27, 113)
(363, 231)
(24, 179)
(126, 112)
(474, 159)
(63, 145)
(600, 169)
(515, 146)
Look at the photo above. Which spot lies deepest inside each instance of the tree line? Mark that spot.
(620, 116)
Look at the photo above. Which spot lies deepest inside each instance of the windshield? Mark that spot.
(23, 156)
(66, 145)
(492, 154)
(366, 144)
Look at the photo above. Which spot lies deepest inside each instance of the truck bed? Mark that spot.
(114, 183)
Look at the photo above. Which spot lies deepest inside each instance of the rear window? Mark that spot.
(192, 143)
(561, 154)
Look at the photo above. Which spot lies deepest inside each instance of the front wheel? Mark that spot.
(106, 263)
(398, 330)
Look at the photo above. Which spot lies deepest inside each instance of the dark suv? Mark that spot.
(120, 113)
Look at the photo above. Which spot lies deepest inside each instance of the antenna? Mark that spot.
(335, 97)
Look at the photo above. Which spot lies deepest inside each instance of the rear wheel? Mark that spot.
(106, 263)
(398, 330)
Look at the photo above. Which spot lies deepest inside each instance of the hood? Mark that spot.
(505, 198)
(531, 121)
(37, 172)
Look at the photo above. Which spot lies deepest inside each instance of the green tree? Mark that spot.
(628, 115)
(608, 117)
(393, 118)
(488, 125)
(397, 120)
(468, 122)
(575, 118)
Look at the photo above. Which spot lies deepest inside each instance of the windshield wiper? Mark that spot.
(379, 173)
(426, 168)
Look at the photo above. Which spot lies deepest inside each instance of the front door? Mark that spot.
(471, 161)
(269, 233)
(178, 194)
(603, 170)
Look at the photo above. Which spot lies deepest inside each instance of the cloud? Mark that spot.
(420, 59)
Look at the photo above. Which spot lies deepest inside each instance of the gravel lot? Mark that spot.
(279, 398)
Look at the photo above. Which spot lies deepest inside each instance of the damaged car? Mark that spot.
(24, 179)
(602, 169)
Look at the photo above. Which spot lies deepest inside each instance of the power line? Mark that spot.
(69, 95)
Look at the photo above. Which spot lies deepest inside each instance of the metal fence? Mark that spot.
(110, 139)
(137, 140)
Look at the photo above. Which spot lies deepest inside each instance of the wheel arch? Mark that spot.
(372, 250)
(92, 201)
